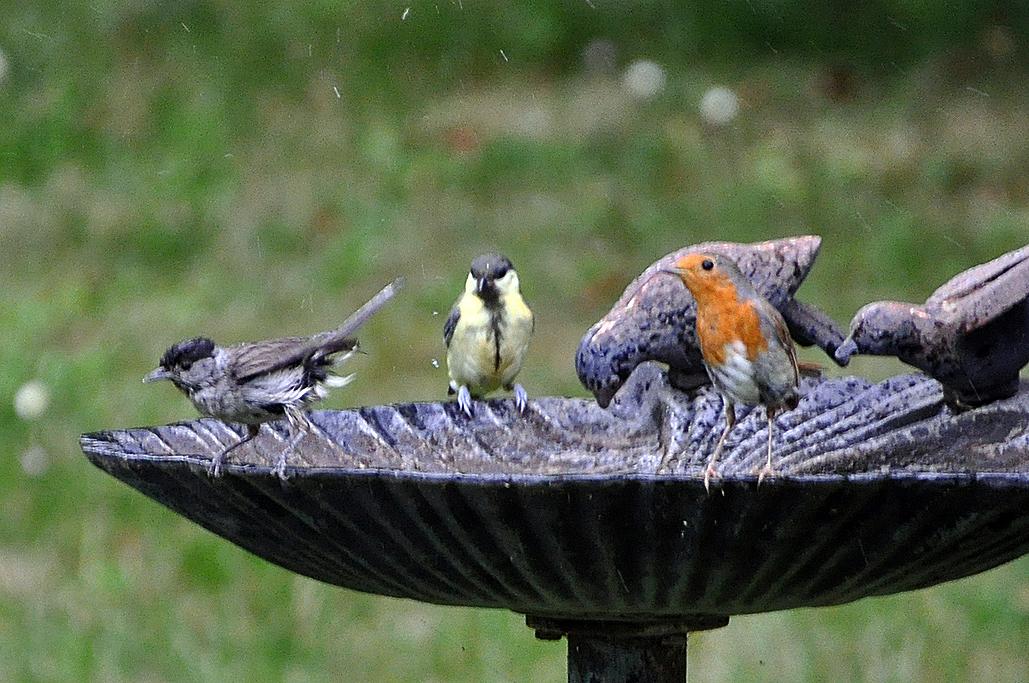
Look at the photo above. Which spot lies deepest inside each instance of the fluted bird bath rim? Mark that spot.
(94, 443)
(623, 561)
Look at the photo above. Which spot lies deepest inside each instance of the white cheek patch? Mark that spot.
(205, 371)
(221, 359)
(508, 283)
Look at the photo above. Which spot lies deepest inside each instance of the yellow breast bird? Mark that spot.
(487, 333)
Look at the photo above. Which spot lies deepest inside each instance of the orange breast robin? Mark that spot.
(744, 342)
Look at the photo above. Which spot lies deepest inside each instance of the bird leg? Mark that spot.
(767, 469)
(214, 469)
(299, 426)
(464, 400)
(521, 398)
(730, 420)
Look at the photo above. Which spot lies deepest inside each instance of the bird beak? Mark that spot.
(157, 375)
(845, 350)
(671, 271)
(480, 285)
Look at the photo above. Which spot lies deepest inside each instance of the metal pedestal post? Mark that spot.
(614, 651)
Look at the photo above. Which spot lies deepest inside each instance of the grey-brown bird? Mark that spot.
(972, 334)
(257, 382)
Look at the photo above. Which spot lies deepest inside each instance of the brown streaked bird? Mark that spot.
(744, 342)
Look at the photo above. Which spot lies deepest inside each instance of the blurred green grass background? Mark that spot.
(168, 169)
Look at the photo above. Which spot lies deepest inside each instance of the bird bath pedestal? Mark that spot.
(595, 523)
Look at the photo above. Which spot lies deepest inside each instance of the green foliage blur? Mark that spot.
(248, 170)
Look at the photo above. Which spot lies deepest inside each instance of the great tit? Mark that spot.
(487, 333)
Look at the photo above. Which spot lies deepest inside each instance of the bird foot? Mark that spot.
(464, 400)
(521, 398)
(665, 463)
(708, 473)
(280, 468)
(765, 471)
(214, 468)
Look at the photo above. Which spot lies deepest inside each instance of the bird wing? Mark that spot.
(978, 295)
(450, 324)
(258, 358)
(782, 333)
(274, 354)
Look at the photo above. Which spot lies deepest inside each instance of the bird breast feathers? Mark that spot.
(735, 374)
(720, 323)
(472, 348)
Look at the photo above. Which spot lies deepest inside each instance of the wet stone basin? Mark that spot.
(575, 512)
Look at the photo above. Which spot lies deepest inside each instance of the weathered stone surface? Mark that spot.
(560, 513)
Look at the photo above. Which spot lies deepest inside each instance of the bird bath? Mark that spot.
(595, 523)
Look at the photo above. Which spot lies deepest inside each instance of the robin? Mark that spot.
(652, 320)
(971, 335)
(744, 342)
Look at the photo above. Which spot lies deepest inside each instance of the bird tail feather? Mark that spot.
(338, 381)
(341, 338)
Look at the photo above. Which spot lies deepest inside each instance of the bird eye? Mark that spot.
(707, 264)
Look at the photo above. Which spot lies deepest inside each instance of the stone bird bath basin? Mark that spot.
(595, 523)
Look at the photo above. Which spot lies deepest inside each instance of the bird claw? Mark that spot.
(708, 473)
(765, 471)
(214, 468)
(464, 400)
(280, 468)
(521, 398)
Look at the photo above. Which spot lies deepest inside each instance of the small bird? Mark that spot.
(744, 342)
(653, 319)
(487, 333)
(971, 334)
(257, 382)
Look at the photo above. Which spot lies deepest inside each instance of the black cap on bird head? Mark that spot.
(181, 356)
(185, 353)
(486, 270)
(490, 266)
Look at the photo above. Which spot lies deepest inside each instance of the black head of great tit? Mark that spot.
(487, 270)
(487, 333)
